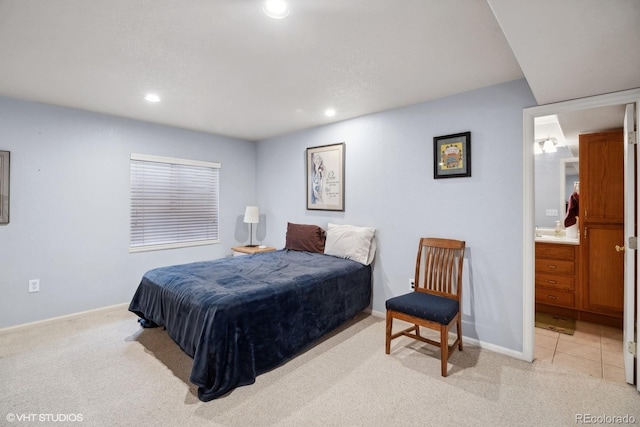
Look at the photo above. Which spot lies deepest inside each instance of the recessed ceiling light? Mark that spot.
(329, 112)
(152, 97)
(276, 9)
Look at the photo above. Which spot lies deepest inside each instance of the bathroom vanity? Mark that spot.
(556, 271)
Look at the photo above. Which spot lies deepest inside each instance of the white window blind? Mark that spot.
(174, 203)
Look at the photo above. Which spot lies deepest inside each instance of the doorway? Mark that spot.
(620, 98)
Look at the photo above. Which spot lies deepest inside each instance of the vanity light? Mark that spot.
(537, 148)
(549, 146)
(329, 112)
(152, 97)
(276, 9)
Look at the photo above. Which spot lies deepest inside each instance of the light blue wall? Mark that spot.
(70, 206)
(390, 186)
(70, 201)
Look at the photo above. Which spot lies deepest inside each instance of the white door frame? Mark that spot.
(630, 221)
(528, 250)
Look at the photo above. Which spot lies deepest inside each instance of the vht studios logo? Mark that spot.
(43, 418)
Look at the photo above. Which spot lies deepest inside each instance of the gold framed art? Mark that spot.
(452, 155)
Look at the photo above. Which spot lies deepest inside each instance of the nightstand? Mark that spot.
(250, 250)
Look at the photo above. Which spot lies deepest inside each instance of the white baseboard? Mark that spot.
(472, 341)
(465, 340)
(495, 348)
(62, 318)
(375, 313)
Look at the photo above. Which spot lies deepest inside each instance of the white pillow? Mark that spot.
(351, 242)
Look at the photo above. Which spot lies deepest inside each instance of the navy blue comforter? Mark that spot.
(239, 317)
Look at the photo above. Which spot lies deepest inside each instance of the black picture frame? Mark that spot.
(325, 177)
(452, 155)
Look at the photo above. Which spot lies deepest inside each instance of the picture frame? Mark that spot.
(452, 155)
(325, 177)
(4, 187)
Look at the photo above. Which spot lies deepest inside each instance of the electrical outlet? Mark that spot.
(552, 212)
(412, 283)
(34, 285)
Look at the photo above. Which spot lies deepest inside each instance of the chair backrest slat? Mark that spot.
(439, 267)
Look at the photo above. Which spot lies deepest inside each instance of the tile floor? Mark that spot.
(593, 349)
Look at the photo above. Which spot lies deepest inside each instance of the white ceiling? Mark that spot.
(222, 66)
(566, 127)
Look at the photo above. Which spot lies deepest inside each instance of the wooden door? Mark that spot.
(605, 269)
(602, 176)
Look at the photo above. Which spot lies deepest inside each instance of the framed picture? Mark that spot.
(325, 177)
(4, 187)
(452, 155)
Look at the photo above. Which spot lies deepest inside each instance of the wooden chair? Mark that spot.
(435, 301)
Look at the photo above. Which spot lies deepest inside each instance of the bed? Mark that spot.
(238, 317)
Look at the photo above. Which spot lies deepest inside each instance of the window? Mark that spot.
(174, 203)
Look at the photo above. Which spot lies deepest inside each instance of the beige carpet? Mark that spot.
(106, 369)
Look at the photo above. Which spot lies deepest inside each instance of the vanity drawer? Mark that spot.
(562, 283)
(554, 266)
(555, 251)
(547, 296)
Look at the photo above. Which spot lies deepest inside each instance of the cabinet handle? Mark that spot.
(552, 297)
(552, 281)
(551, 266)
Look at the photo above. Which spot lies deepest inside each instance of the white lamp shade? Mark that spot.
(251, 215)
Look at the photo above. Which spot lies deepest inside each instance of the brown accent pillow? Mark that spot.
(305, 237)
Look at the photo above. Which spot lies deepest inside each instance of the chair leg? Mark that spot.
(459, 328)
(444, 348)
(417, 329)
(387, 347)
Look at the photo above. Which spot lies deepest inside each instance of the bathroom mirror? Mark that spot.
(555, 174)
(569, 176)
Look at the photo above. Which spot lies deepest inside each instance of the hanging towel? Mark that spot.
(572, 210)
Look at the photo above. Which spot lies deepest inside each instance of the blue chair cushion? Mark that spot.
(425, 306)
